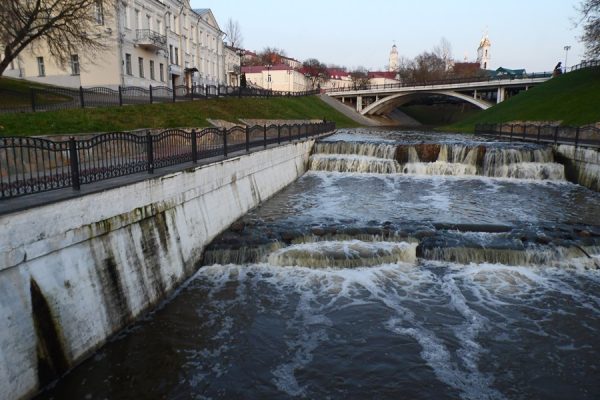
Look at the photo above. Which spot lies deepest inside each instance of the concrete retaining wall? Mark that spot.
(582, 166)
(74, 272)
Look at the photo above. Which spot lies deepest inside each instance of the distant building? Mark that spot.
(483, 52)
(382, 77)
(280, 77)
(338, 78)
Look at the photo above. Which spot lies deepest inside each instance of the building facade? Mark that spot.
(149, 42)
(280, 77)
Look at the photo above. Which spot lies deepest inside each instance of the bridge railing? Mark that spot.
(586, 136)
(449, 81)
(586, 64)
(32, 165)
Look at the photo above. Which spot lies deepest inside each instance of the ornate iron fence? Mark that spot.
(586, 136)
(33, 165)
(58, 98)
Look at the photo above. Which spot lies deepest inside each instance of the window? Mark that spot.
(159, 27)
(75, 64)
(175, 27)
(151, 69)
(171, 53)
(127, 17)
(149, 22)
(99, 13)
(176, 56)
(128, 64)
(138, 19)
(161, 70)
(41, 68)
(141, 65)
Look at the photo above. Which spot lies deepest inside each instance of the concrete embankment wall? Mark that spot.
(582, 166)
(73, 273)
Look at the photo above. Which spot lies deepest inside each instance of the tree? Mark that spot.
(590, 17)
(315, 71)
(234, 33)
(64, 27)
(360, 77)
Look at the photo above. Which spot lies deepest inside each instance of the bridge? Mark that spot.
(376, 100)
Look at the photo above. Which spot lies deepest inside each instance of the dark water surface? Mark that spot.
(393, 324)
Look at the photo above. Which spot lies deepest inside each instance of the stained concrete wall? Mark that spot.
(582, 166)
(74, 272)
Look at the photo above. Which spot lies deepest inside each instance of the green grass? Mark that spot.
(169, 115)
(573, 99)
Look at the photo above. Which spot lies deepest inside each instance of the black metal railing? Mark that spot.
(151, 37)
(585, 136)
(585, 64)
(58, 98)
(33, 165)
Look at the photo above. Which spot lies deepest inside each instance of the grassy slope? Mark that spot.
(183, 114)
(573, 98)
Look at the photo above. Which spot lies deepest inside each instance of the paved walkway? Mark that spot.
(348, 111)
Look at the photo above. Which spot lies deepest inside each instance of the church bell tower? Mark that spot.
(393, 64)
(483, 52)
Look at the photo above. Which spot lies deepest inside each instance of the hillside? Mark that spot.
(167, 115)
(573, 99)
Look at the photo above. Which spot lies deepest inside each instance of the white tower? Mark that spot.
(483, 52)
(394, 64)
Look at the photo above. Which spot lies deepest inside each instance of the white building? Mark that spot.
(394, 63)
(483, 52)
(150, 42)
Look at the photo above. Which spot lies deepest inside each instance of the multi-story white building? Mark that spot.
(150, 42)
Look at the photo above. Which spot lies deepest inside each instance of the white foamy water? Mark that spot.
(446, 309)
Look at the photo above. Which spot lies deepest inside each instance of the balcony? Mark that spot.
(151, 40)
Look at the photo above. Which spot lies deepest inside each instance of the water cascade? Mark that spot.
(524, 162)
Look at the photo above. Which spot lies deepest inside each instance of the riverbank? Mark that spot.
(169, 115)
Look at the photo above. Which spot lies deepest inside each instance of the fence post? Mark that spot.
(194, 147)
(556, 134)
(512, 128)
(225, 142)
(278, 134)
(576, 136)
(149, 152)
(539, 133)
(33, 99)
(151, 94)
(247, 138)
(120, 96)
(218, 90)
(75, 183)
(81, 97)
(174, 93)
(265, 136)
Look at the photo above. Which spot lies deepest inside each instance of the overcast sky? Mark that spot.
(528, 34)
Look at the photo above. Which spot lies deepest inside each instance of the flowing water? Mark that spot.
(402, 265)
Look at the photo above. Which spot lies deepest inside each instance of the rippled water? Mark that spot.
(345, 304)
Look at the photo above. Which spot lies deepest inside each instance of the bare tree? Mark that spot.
(316, 71)
(234, 33)
(590, 17)
(444, 51)
(65, 27)
(269, 55)
(360, 77)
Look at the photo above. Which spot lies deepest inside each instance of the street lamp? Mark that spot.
(241, 53)
(566, 48)
(269, 66)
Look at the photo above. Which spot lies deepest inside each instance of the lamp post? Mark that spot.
(241, 53)
(269, 66)
(566, 48)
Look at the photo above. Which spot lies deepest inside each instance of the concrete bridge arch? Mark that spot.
(387, 104)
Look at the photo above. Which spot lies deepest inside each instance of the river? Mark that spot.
(401, 265)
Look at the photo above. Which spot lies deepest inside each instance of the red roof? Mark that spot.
(382, 74)
(260, 68)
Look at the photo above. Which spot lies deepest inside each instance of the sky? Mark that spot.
(528, 34)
